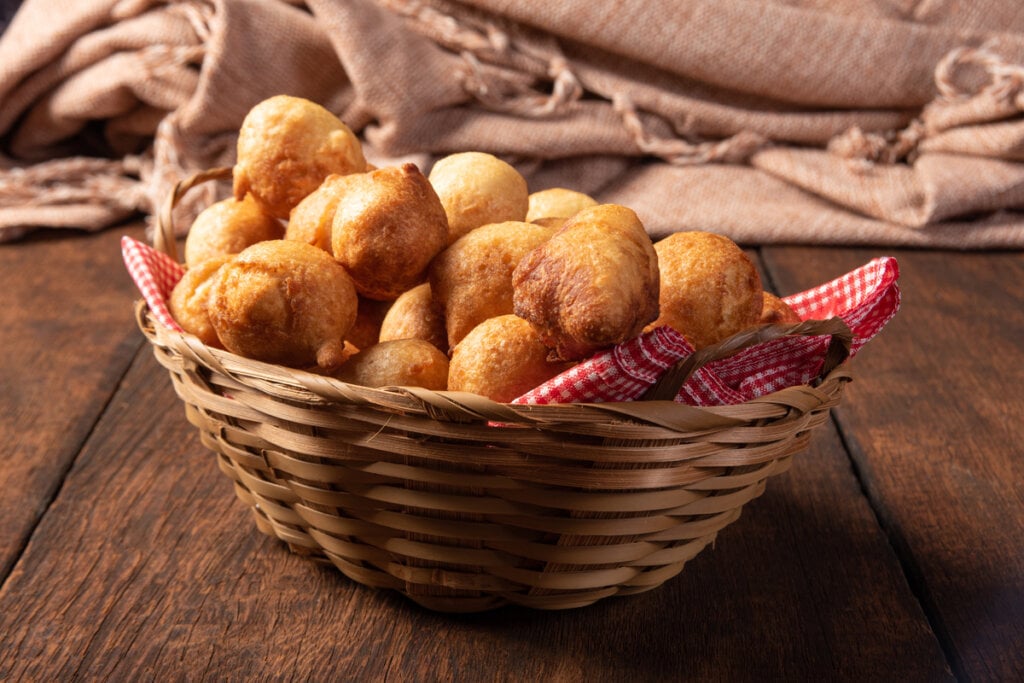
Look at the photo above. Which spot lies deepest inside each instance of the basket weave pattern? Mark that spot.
(463, 504)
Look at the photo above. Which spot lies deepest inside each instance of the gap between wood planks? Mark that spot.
(901, 549)
(8, 568)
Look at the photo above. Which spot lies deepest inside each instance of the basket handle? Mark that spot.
(673, 379)
(163, 236)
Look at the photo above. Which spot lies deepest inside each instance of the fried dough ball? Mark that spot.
(710, 289)
(365, 331)
(501, 358)
(550, 221)
(286, 302)
(557, 202)
(775, 311)
(189, 300)
(400, 362)
(228, 227)
(477, 188)
(472, 278)
(311, 219)
(286, 147)
(592, 285)
(388, 227)
(416, 314)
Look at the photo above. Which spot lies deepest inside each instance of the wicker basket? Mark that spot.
(463, 504)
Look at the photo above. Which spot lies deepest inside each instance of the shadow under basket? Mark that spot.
(463, 504)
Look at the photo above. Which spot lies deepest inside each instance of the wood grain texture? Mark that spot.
(146, 567)
(933, 423)
(67, 337)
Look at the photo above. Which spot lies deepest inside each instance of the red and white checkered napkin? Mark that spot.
(866, 299)
(155, 275)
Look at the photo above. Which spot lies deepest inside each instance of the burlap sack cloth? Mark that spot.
(802, 121)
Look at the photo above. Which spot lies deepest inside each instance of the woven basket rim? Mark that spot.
(306, 387)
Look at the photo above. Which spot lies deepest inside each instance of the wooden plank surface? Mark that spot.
(145, 566)
(65, 346)
(933, 423)
(168, 572)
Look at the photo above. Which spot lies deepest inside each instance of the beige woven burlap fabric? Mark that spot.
(811, 121)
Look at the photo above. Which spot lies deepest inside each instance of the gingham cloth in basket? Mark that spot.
(866, 299)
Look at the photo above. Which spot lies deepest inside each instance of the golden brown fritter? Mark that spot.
(400, 362)
(775, 311)
(286, 147)
(592, 285)
(189, 300)
(501, 358)
(477, 188)
(557, 202)
(415, 314)
(387, 228)
(228, 227)
(286, 302)
(311, 219)
(365, 331)
(472, 278)
(710, 289)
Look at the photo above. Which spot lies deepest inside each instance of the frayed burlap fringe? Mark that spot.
(566, 112)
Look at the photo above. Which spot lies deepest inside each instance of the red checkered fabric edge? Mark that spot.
(155, 274)
(866, 299)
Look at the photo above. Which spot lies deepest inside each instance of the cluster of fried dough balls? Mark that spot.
(460, 280)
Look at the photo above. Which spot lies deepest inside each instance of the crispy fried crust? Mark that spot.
(501, 358)
(284, 302)
(189, 300)
(594, 284)
(228, 227)
(472, 279)
(387, 228)
(400, 362)
(311, 219)
(477, 188)
(557, 202)
(710, 289)
(416, 314)
(286, 147)
(775, 311)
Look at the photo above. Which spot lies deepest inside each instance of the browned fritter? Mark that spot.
(311, 219)
(387, 228)
(592, 285)
(472, 278)
(710, 289)
(286, 147)
(557, 202)
(400, 362)
(228, 227)
(477, 188)
(416, 314)
(501, 358)
(286, 302)
(775, 311)
(365, 332)
(189, 300)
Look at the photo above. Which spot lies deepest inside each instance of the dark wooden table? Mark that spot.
(892, 550)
